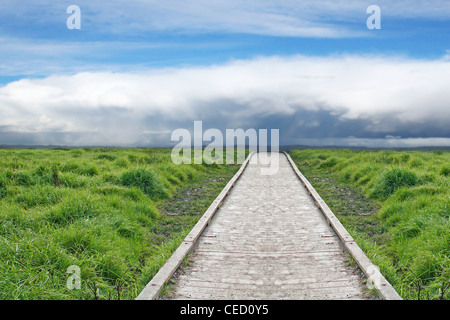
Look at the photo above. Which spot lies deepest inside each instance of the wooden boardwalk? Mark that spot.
(268, 240)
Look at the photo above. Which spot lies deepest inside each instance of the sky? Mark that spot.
(137, 70)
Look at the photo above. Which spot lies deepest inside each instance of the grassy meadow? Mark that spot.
(116, 214)
(396, 204)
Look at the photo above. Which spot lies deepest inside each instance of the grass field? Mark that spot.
(396, 204)
(116, 214)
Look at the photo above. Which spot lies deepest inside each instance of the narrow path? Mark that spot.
(268, 241)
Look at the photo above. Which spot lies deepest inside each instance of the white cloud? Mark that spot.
(385, 92)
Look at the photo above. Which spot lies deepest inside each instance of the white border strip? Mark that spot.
(372, 272)
(152, 289)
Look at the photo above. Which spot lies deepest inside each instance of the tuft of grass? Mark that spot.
(106, 156)
(146, 180)
(329, 163)
(394, 179)
(445, 170)
(72, 209)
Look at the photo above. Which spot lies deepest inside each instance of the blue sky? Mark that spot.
(309, 68)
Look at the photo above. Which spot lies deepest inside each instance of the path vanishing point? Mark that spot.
(268, 237)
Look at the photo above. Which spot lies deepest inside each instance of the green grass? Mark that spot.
(396, 204)
(117, 214)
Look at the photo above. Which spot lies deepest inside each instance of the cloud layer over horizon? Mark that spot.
(334, 97)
